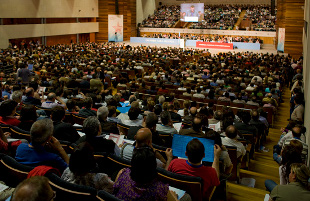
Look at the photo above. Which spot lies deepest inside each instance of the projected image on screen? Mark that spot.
(192, 12)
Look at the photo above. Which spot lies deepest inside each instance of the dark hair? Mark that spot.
(151, 120)
(143, 165)
(165, 117)
(57, 113)
(133, 113)
(289, 155)
(71, 105)
(82, 159)
(88, 102)
(195, 151)
(112, 110)
(28, 112)
(158, 109)
(7, 107)
(245, 117)
(214, 136)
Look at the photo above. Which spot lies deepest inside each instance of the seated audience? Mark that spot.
(82, 170)
(7, 113)
(87, 110)
(63, 131)
(141, 177)
(195, 151)
(28, 116)
(166, 125)
(92, 130)
(36, 152)
(107, 127)
(231, 140)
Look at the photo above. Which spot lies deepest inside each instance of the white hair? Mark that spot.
(102, 113)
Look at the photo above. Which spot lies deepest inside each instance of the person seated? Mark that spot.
(149, 107)
(92, 130)
(72, 107)
(231, 140)
(297, 132)
(7, 113)
(166, 125)
(226, 97)
(28, 116)
(63, 131)
(195, 130)
(298, 187)
(227, 164)
(107, 127)
(141, 177)
(188, 92)
(50, 101)
(36, 152)
(144, 138)
(133, 115)
(175, 117)
(87, 110)
(217, 117)
(33, 188)
(252, 101)
(244, 126)
(195, 151)
(188, 119)
(112, 115)
(198, 94)
(82, 169)
(30, 99)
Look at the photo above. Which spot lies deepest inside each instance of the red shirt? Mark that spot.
(9, 121)
(208, 174)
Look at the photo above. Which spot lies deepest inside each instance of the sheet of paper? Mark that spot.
(81, 133)
(177, 126)
(118, 139)
(3, 187)
(267, 196)
(179, 192)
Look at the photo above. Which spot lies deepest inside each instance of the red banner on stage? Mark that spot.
(227, 46)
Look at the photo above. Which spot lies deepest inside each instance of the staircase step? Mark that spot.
(259, 177)
(243, 193)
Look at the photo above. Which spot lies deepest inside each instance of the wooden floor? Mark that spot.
(263, 166)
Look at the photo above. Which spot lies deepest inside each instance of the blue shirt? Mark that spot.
(28, 155)
(4, 93)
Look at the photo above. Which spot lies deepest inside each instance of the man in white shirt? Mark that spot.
(231, 140)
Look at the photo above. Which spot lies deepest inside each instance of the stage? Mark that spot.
(265, 48)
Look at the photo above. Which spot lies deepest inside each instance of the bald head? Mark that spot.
(51, 96)
(143, 137)
(32, 189)
(296, 131)
(231, 132)
(193, 111)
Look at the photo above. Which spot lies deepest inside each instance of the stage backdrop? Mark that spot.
(116, 28)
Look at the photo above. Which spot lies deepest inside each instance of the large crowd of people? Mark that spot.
(221, 17)
(164, 17)
(81, 79)
(207, 38)
(261, 18)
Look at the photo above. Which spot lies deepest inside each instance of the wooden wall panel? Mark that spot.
(290, 16)
(63, 39)
(127, 8)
